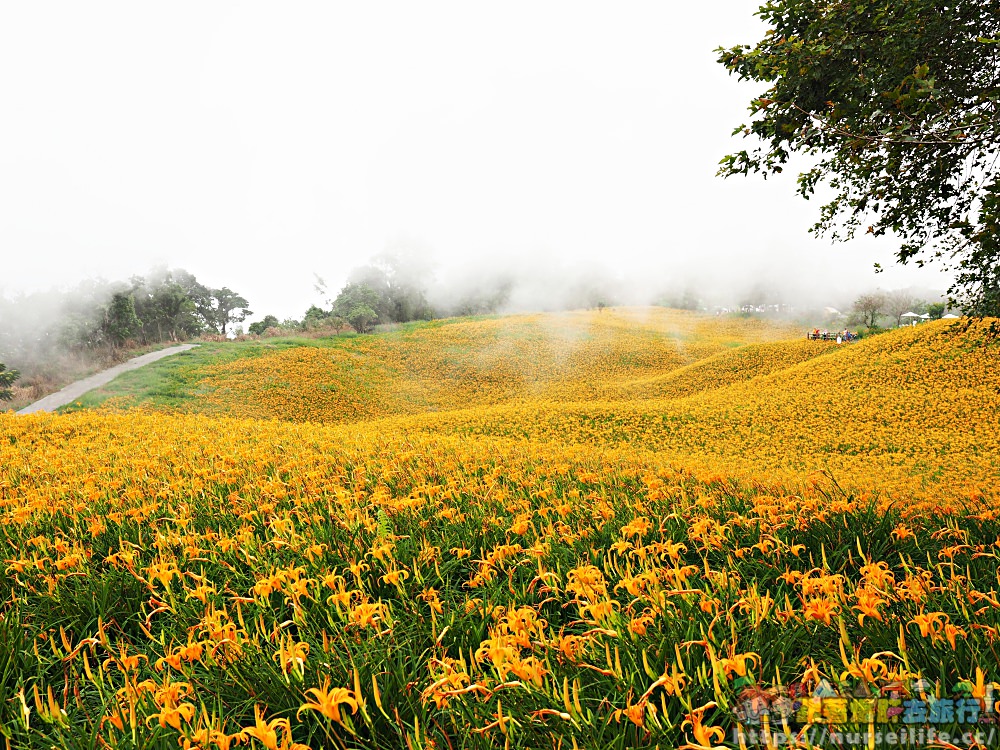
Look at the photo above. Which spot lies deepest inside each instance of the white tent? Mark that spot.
(910, 315)
(949, 316)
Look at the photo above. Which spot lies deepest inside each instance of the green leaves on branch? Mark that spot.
(357, 303)
(7, 379)
(226, 306)
(898, 106)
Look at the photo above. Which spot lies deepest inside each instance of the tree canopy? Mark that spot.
(227, 307)
(869, 307)
(165, 302)
(897, 106)
(399, 281)
(258, 328)
(120, 321)
(99, 317)
(357, 304)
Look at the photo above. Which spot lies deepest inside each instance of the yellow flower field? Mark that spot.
(456, 364)
(608, 530)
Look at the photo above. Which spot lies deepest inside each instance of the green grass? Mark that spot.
(172, 382)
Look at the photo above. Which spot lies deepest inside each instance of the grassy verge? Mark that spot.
(171, 382)
(54, 372)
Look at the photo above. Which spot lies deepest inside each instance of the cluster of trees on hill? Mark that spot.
(97, 320)
(165, 305)
(173, 305)
(872, 308)
(390, 289)
(400, 285)
(398, 288)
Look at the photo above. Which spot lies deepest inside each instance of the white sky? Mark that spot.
(257, 143)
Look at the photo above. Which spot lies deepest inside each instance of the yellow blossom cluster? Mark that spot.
(444, 365)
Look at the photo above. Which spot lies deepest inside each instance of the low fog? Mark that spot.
(530, 157)
(542, 283)
(35, 325)
(57, 335)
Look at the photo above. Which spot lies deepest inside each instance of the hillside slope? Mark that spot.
(912, 412)
(458, 363)
(720, 370)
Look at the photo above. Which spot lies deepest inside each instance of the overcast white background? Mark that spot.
(257, 143)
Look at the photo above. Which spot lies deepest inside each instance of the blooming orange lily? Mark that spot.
(328, 702)
(266, 732)
(703, 736)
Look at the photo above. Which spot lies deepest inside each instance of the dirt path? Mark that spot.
(73, 391)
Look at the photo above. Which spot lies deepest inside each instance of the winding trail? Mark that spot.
(73, 391)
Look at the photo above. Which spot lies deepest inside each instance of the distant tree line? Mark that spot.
(399, 288)
(390, 289)
(163, 306)
(872, 308)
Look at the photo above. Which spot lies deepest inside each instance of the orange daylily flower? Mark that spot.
(704, 737)
(266, 732)
(328, 702)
